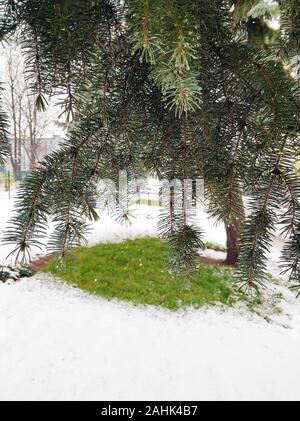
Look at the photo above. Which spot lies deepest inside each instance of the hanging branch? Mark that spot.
(29, 224)
(256, 239)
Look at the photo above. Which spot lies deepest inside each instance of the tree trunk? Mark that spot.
(233, 235)
(13, 164)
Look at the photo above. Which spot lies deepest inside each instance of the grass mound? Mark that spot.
(135, 271)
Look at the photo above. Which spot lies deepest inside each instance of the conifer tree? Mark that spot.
(183, 88)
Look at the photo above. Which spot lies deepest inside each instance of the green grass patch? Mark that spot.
(148, 202)
(136, 271)
(215, 247)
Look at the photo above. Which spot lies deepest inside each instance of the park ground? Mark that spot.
(58, 342)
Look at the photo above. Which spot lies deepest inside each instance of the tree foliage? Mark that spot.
(175, 87)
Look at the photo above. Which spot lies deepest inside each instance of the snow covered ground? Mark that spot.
(57, 343)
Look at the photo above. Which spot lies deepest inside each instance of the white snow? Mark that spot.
(58, 343)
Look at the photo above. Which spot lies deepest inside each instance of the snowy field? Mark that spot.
(57, 343)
